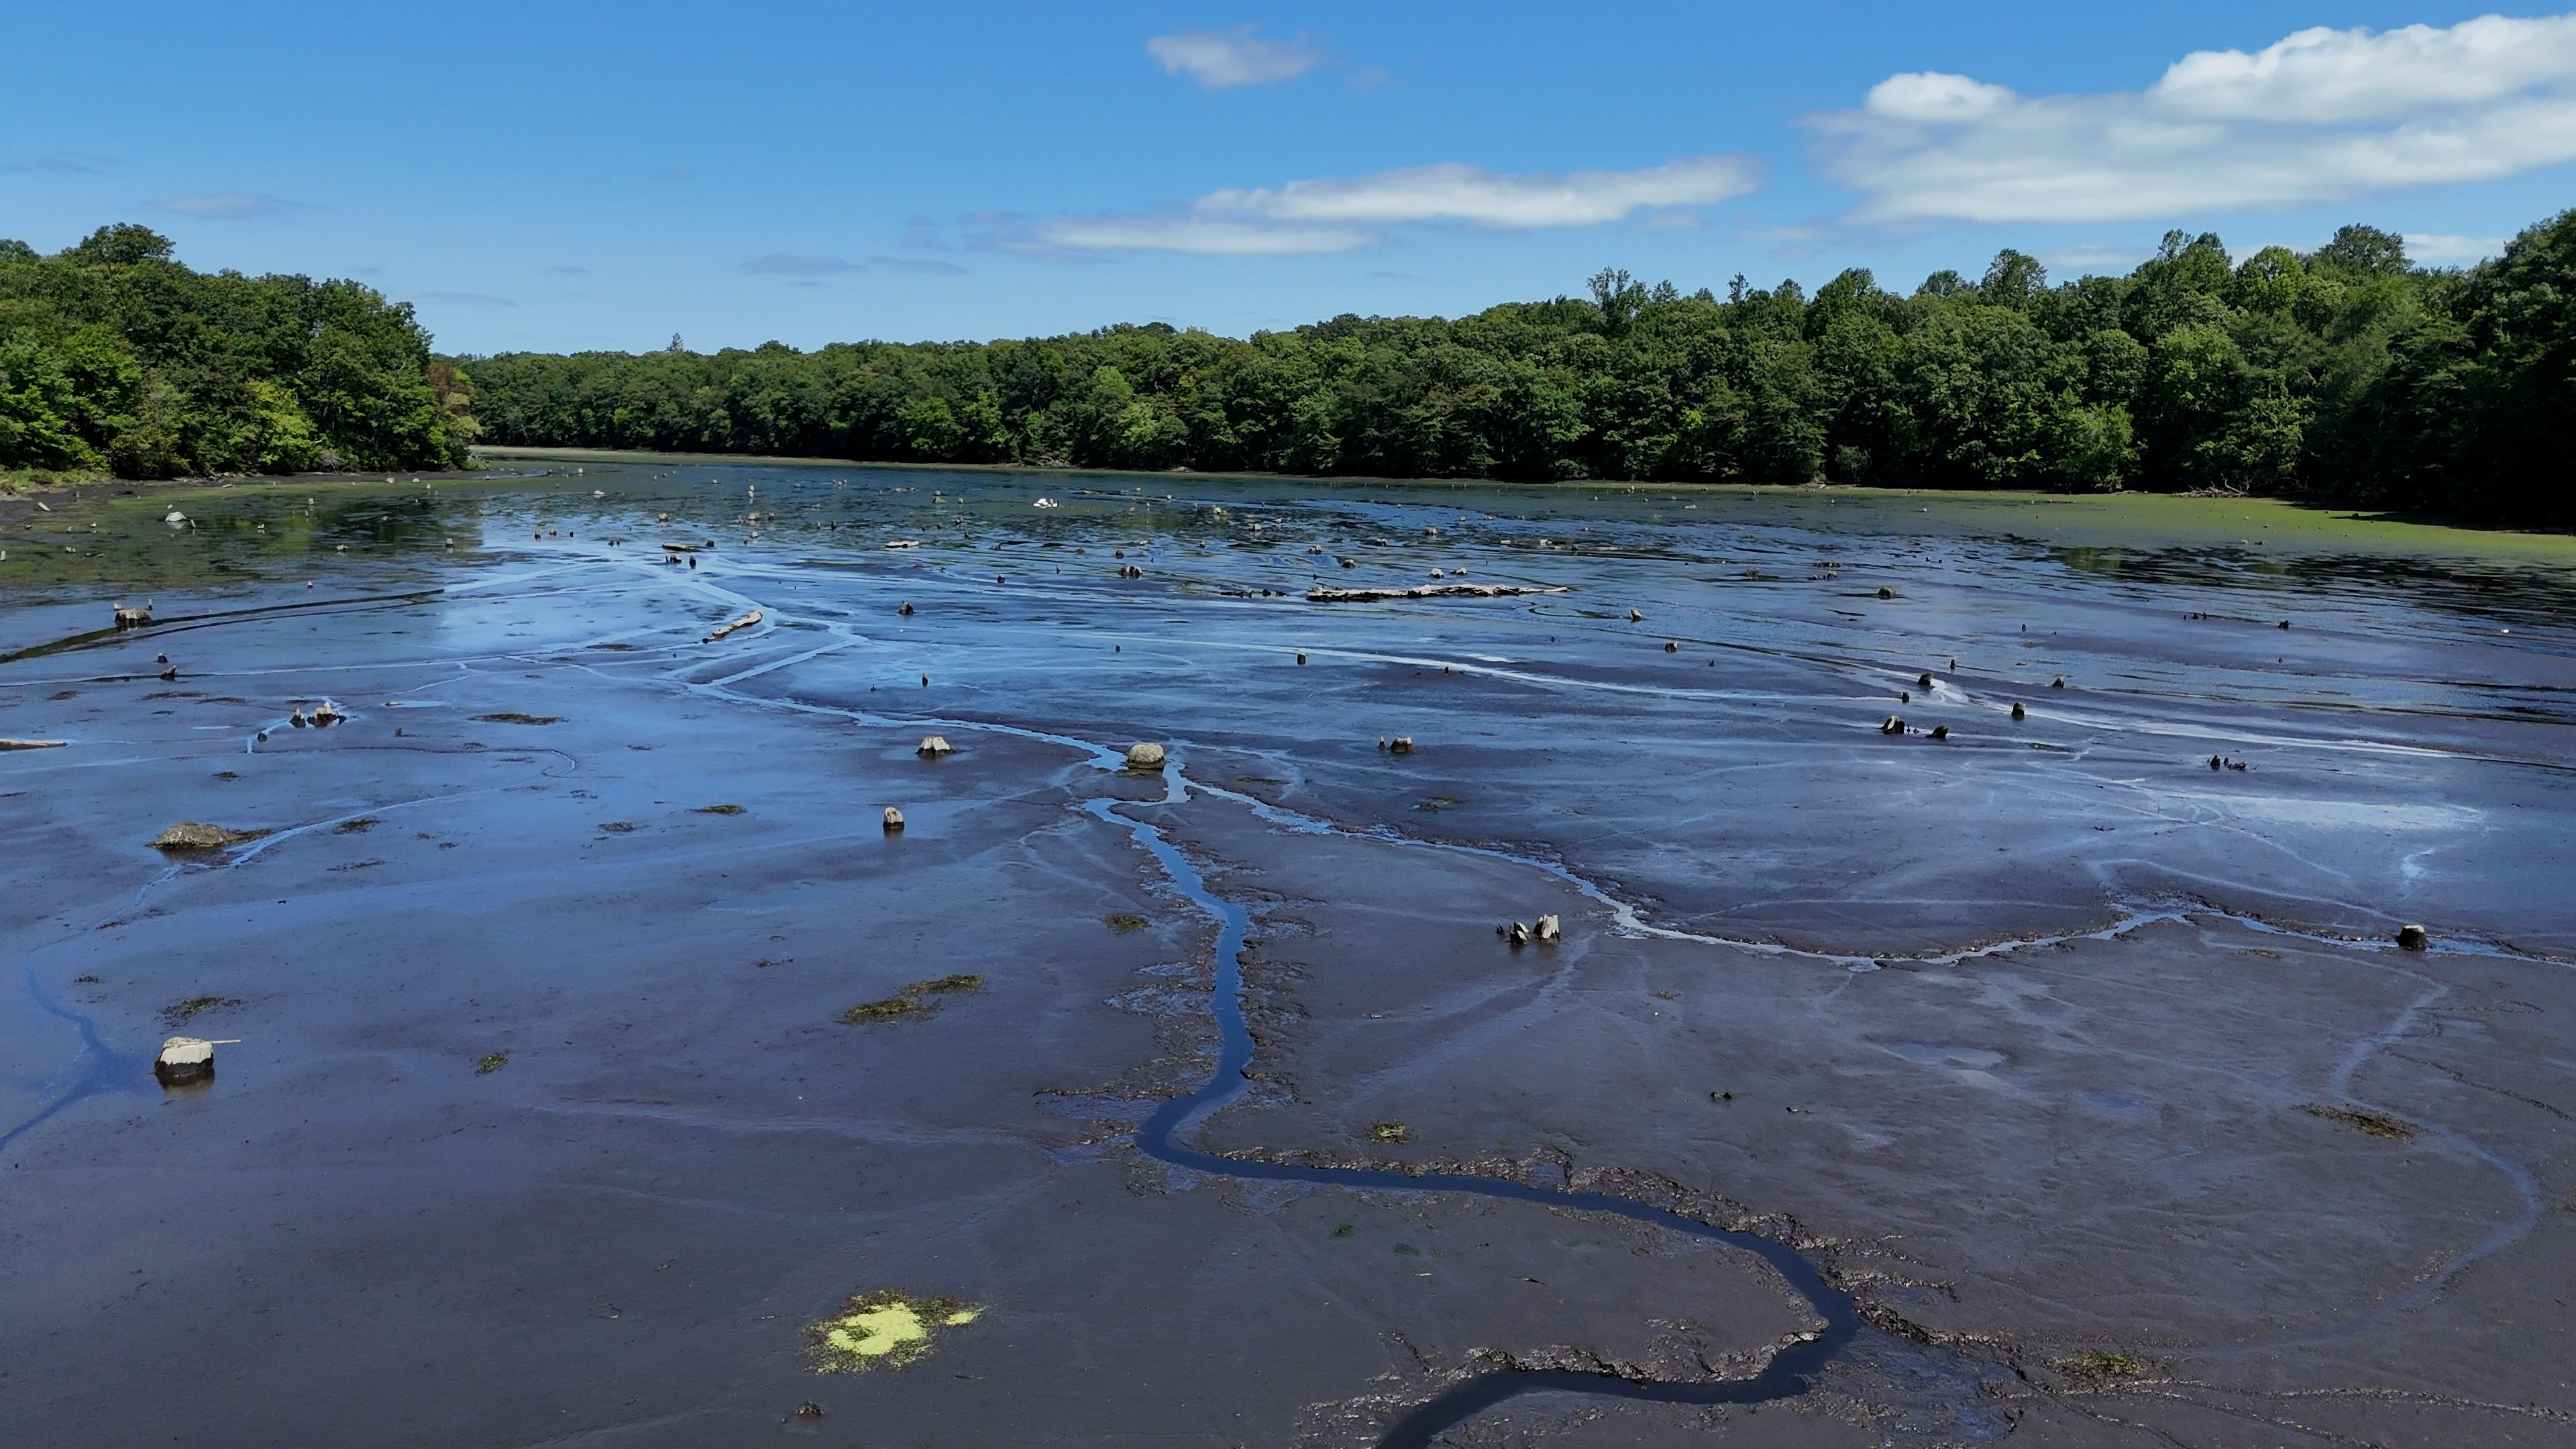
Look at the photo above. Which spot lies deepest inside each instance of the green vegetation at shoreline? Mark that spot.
(116, 358)
(2346, 373)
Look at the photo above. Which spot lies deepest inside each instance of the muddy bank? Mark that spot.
(2041, 1045)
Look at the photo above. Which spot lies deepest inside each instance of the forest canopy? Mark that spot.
(115, 357)
(2345, 372)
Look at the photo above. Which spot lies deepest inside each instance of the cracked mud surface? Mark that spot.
(2059, 1062)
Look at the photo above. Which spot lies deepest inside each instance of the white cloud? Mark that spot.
(1341, 214)
(2323, 115)
(1238, 57)
(790, 264)
(2424, 246)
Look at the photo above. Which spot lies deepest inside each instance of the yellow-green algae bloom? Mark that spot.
(885, 1329)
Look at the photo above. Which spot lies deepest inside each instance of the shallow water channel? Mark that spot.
(1979, 1012)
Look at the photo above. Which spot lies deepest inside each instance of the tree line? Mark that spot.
(115, 357)
(2346, 371)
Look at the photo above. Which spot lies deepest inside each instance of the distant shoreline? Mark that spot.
(2317, 514)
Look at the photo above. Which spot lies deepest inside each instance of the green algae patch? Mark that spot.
(1125, 922)
(180, 1013)
(888, 1328)
(718, 810)
(909, 1004)
(511, 716)
(2375, 1123)
(490, 1063)
(1388, 1132)
(2097, 1368)
(359, 826)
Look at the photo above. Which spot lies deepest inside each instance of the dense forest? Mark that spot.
(114, 357)
(2345, 372)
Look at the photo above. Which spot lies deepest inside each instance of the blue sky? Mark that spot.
(570, 176)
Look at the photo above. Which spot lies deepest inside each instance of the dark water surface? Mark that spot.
(2136, 987)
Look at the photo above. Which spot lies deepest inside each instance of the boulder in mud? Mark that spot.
(1894, 726)
(128, 617)
(2413, 938)
(184, 1059)
(2018, 712)
(1145, 756)
(933, 746)
(1517, 934)
(893, 820)
(198, 835)
(1547, 930)
(1400, 745)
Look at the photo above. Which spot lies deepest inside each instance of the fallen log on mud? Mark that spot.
(745, 622)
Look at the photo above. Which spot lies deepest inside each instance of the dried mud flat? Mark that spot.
(2040, 1083)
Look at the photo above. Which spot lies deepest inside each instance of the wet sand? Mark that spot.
(2077, 1089)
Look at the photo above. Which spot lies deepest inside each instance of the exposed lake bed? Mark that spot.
(2029, 1040)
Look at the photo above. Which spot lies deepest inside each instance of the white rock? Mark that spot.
(1548, 929)
(893, 820)
(184, 1059)
(935, 745)
(1145, 757)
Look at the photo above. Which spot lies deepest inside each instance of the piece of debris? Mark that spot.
(2018, 711)
(1516, 933)
(905, 609)
(718, 810)
(933, 746)
(1387, 1132)
(1924, 683)
(1671, 648)
(745, 622)
(1301, 658)
(198, 835)
(1144, 757)
(1721, 1096)
(2413, 938)
(1400, 745)
(893, 820)
(2058, 683)
(185, 1059)
(33, 744)
(1425, 591)
(908, 1004)
(516, 718)
(1894, 726)
(133, 618)
(491, 1062)
(1547, 930)
(1940, 732)
(809, 1409)
(1885, 592)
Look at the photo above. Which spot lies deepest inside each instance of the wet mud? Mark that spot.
(593, 1043)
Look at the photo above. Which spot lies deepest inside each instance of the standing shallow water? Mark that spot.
(2051, 1076)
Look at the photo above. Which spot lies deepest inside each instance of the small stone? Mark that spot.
(1885, 592)
(1547, 929)
(184, 1059)
(2018, 711)
(1400, 745)
(2058, 683)
(809, 1410)
(1671, 648)
(1940, 732)
(1517, 934)
(933, 746)
(1894, 726)
(1301, 658)
(1925, 682)
(2413, 938)
(893, 820)
(2285, 623)
(905, 609)
(1636, 617)
(1145, 757)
